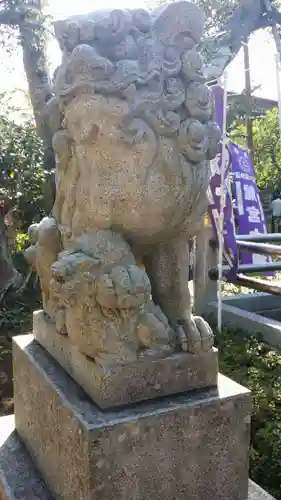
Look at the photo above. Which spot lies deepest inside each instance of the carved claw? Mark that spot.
(155, 334)
(195, 335)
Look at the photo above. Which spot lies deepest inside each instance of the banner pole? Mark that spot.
(222, 203)
(277, 63)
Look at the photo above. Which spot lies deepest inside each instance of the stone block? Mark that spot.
(19, 480)
(190, 446)
(253, 302)
(127, 384)
(269, 330)
(257, 493)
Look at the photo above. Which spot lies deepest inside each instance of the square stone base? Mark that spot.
(19, 480)
(123, 385)
(186, 447)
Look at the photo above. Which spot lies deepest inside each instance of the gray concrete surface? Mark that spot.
(188, 446)
(20, 481)
(255, 314)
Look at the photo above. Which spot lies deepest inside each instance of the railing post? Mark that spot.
(206, 257)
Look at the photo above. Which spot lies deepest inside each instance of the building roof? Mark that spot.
(259, 103)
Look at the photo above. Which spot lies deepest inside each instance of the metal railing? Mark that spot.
(255, 244)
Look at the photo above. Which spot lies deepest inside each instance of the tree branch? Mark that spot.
(276, 15)
(248, 17)
(263, 22)
(11, 18)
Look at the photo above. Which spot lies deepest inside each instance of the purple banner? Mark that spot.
(214, 195)
(250, 214)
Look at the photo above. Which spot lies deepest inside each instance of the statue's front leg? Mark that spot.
(168, 270)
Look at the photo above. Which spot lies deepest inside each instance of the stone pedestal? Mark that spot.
(184, 447)
(126, 384)
(19, 480)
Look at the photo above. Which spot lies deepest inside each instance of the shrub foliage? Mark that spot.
(22, 173)
(258, 367)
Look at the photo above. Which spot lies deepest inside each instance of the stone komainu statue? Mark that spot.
(133, 134)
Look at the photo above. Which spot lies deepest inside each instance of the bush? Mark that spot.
(22, 173)
(23, 179)
(258, 367)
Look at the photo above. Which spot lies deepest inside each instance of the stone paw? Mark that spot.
(154, 331)
(124, 287)
(195, 335)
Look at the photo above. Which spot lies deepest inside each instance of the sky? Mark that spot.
(261, 46)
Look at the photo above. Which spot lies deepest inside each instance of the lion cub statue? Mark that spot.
(133, 134)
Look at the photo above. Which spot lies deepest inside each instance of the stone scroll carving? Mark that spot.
(133, 134)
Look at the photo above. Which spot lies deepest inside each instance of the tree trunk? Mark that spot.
(35, 62)
(8, 275)
(34, 48)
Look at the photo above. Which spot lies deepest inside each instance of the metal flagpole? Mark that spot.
(277, 40)
(222, 202)
(277, 62)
